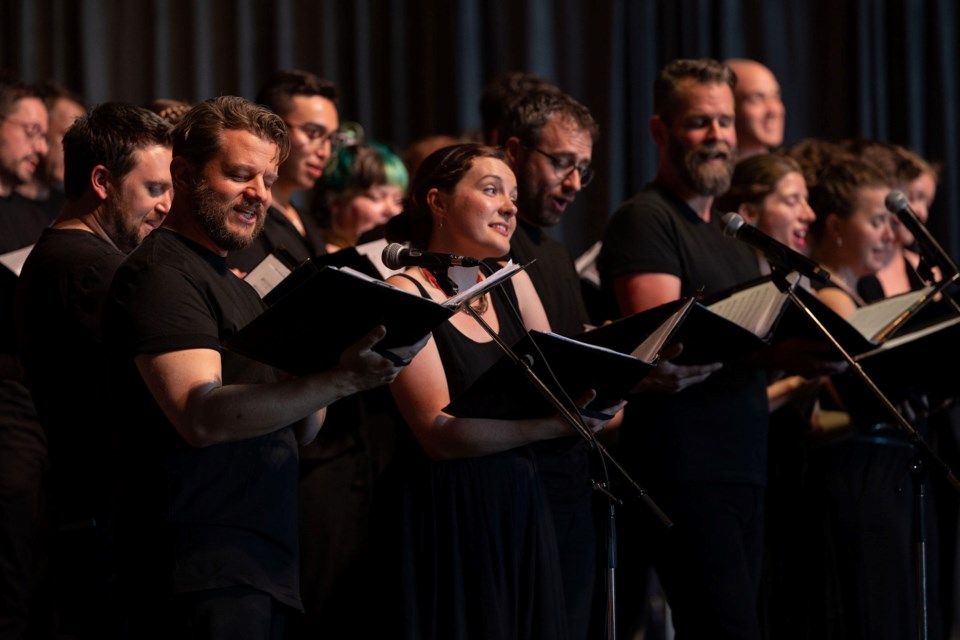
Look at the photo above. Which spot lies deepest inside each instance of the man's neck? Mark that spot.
(185, 223)
(282, 197)
(75, 215)
(6, 186)
(701, 204)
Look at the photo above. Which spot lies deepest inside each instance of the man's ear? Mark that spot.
(101, 181)
(182, 174)
(514, 151)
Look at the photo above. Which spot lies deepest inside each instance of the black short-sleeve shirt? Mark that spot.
(223, 515)
(715, 431)
(59, 299)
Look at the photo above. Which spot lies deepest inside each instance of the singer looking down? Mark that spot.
(915, 182)
(207, 506)
(472, 527)
(857, 483)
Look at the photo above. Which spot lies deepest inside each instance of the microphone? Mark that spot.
(780, 255)
(896, 202)
(397, 256)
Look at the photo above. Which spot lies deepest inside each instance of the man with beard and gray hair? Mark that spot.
(696, 436)
(207, 439)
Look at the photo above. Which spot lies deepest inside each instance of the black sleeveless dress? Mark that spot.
(857, 555)
(477, 551)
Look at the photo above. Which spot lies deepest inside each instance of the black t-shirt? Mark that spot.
(60, 296)
(563, 462)
(554, 277)
(715, 431)
(222, 515)
(21, 221)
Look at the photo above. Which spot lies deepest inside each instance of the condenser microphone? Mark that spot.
(397, 256)
(896, 202)
(778, 254)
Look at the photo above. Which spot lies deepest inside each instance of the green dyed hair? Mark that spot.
(360, 167)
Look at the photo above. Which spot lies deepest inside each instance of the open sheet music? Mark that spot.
(324, 309)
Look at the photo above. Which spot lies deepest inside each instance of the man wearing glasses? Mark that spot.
(548, 140)
(23, 144)
(23, 449)
(307, 105)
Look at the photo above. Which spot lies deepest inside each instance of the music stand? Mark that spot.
(573, 418)
(925, 459)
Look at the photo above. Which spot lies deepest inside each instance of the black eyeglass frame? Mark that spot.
(562, 168)
(317, 134)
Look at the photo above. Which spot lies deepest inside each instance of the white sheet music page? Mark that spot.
(15, 259)
(266, 275)
(871, 319)
(755, 309)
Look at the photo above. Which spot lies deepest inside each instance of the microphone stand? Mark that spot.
(925, 457)
(576, 422)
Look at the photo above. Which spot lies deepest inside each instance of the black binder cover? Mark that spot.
(731, 324)
(628, 335)
(797, 324)
(708, 337)
(504, 391)
(348, 257)
(908, 367)
(322, 310)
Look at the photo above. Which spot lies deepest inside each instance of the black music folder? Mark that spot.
(758, 314)
(617, 359)
(325, 309)
(731, 324)
(906, 345)
(869, 327)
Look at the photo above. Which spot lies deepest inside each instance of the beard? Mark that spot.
(696, 174)
(213, 214)
(534, 206)
(125, 236)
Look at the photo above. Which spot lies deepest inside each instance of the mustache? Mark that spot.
(713, 147)
(257, 205)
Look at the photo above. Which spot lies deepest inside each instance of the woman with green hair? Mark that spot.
(363, 186)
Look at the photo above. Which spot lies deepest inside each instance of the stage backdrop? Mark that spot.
(884, 69)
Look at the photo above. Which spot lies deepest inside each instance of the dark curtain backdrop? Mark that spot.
(884, 69)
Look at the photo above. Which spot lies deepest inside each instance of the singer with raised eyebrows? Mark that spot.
(472, 531)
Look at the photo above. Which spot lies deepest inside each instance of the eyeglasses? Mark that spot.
(32, 130)
(564, 166)
(318, 134)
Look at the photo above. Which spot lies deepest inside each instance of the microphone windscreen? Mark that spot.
(896, 201)
(731, 223)
(391, 255)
